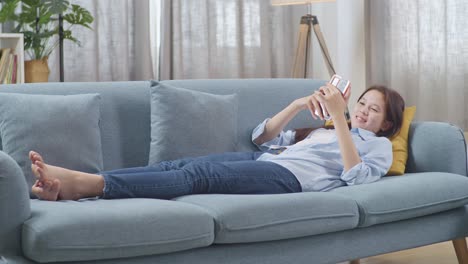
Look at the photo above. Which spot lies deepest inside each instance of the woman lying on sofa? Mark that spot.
(323, 160)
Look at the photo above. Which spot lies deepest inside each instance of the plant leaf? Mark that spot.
(67, 34)
(56, 6)
(8, 10)
(79, 16)
(38, 22)
(29, 12)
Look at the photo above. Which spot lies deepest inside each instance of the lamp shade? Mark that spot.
(297, 2)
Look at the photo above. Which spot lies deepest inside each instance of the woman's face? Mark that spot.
(369, 112)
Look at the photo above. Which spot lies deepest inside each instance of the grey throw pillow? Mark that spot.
(187, 123)
(64, 129)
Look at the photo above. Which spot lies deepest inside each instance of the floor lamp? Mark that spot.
(308, 22)
(301, 58)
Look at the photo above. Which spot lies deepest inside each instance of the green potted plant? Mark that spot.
(38, 20)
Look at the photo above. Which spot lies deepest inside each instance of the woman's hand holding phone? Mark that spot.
(330, 99)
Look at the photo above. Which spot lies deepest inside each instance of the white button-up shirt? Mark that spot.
(317, 163)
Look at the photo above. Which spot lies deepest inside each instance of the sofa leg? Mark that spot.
(355, 261)
(461, 250)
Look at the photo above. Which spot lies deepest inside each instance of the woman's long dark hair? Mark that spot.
(394, 107)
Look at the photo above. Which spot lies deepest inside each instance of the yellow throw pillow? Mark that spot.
(328, 124)
(400, 143)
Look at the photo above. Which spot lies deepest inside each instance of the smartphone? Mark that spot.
(342, 85)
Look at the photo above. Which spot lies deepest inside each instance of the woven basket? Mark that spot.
(36, 70)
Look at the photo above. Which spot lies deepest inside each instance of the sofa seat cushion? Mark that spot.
(404, 197)
(104, 229)
(255, 218)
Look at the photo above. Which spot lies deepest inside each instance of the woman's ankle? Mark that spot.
(89, 185)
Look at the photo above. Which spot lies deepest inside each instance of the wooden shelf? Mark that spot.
(15, 42)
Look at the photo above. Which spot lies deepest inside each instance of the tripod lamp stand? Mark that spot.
(308, 22)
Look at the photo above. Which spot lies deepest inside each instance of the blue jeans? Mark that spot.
(227, 173)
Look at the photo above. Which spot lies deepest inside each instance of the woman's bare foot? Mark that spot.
(56, 183)
(46, 190)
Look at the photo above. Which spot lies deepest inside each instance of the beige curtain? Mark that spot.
(227, 39)
(252, 39)
(117, 49)
(177, 39)
(420, 48)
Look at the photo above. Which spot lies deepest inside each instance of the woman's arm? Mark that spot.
(348, 149)
(335, 104)
(375, 163)
(277, 123)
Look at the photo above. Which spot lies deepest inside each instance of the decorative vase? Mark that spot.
(36, 70)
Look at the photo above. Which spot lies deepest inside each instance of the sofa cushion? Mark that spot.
(188, 123)
(255, 218)
(64, 129)
(400, 143)
(104, 229)
(404, 197)
(258, 99)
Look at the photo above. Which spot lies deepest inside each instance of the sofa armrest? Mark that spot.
(436, 146)
(14, 205)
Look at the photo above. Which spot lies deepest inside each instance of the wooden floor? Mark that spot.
(441, 253)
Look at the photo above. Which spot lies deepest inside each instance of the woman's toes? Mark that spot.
(37, 183)
(39, 164)
(46, 190)
(37, 191)
(52, 189)
(38, 172)
(34, 156)
(34, 169)
(38, 157)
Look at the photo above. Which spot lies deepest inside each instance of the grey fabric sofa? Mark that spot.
(424, 206)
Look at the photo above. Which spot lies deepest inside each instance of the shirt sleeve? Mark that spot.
(283, 139)
(374, 164)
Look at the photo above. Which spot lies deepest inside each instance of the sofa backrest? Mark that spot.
(125, 116)
(125, 109)
(258, 99)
